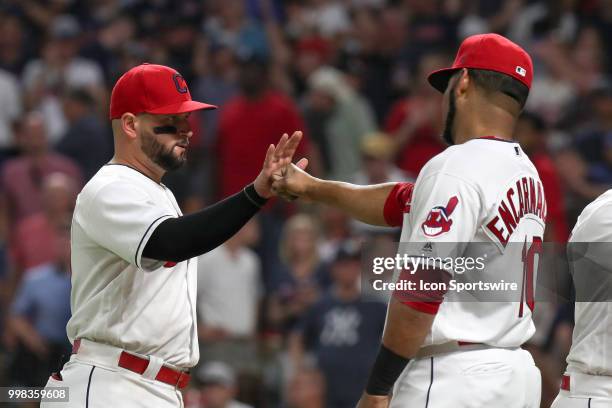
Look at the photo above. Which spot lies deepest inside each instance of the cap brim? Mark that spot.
(439, 79)
(181, 107)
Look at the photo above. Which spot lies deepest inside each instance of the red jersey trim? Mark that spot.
(397, 204)
(425, 307)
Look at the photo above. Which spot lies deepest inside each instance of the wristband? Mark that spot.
(386, 370)
(252, 195)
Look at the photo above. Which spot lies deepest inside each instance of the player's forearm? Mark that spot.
(405, 329)
(364, 203)
(178, 239)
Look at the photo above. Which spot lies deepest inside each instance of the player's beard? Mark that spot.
(160, 155)
(450, 118)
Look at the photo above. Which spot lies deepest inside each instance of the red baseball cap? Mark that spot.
(153, 89)
(491, 52)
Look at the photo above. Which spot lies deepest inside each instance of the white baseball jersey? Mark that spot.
(591, 242)
(484, 191)
(118, 297)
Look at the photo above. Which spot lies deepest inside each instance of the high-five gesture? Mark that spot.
(277, 157)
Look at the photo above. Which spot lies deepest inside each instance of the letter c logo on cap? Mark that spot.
(179, 82)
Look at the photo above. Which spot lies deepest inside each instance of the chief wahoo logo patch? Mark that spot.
(438, 220)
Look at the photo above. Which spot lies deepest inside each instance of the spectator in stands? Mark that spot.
(60, 67)
(585, 164)
(219, 387)
(545, 19)
(369, 61)
(311, 53)
(532, 134)
(376, 155)
(38, 318)
(327, 17)
(88, 140)
(22, 177)
(335, 230)
(298, 284)
(431, 26)
(216, 67)
(14, 49)
(347, 119)
(217, 81)
(415, 122)
(105, 48)
(339, 327)
(10, 110)
(35, 237)
(306, 389)
(231, 26)
(249, 123)
(377, 151)
(229, 293)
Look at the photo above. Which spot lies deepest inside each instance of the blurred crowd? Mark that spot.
(282, 322)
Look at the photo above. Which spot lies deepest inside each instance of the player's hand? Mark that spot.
(373, 401)
(277, 157)
(294, 182)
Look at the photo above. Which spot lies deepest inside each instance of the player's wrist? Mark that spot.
(386, 369)
(254, 196)
(314, 189)
(261, 187)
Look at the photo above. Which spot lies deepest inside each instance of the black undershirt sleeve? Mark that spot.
(178, 239)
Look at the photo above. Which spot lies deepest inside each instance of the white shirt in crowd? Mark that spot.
(10, 107)
(229, 288)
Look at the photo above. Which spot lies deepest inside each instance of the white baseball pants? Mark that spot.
(94, 381)
(585, 391)
(482, 378)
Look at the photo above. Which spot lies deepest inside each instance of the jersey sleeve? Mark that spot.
(443, 219)
(398, 204)
(121, 218)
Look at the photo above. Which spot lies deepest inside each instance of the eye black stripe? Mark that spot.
(165, 129)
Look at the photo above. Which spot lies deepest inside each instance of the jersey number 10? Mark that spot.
(529, 268)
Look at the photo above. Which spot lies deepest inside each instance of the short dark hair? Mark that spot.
(492, 81)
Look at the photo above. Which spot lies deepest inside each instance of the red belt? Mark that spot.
(565, 383)
(176, 378)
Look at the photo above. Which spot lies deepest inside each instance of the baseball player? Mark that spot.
(483, 189)
(133, 325)
(587, 382)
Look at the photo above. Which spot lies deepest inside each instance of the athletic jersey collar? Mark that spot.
(497, 139)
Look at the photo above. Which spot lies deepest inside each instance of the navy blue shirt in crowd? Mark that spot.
(344, 337)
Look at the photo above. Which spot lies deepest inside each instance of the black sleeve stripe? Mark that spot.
(143, 237)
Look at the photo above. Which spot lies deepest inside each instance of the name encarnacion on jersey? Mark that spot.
(524, 197)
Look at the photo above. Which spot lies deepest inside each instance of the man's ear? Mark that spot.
(129, 125)
(463, 83)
